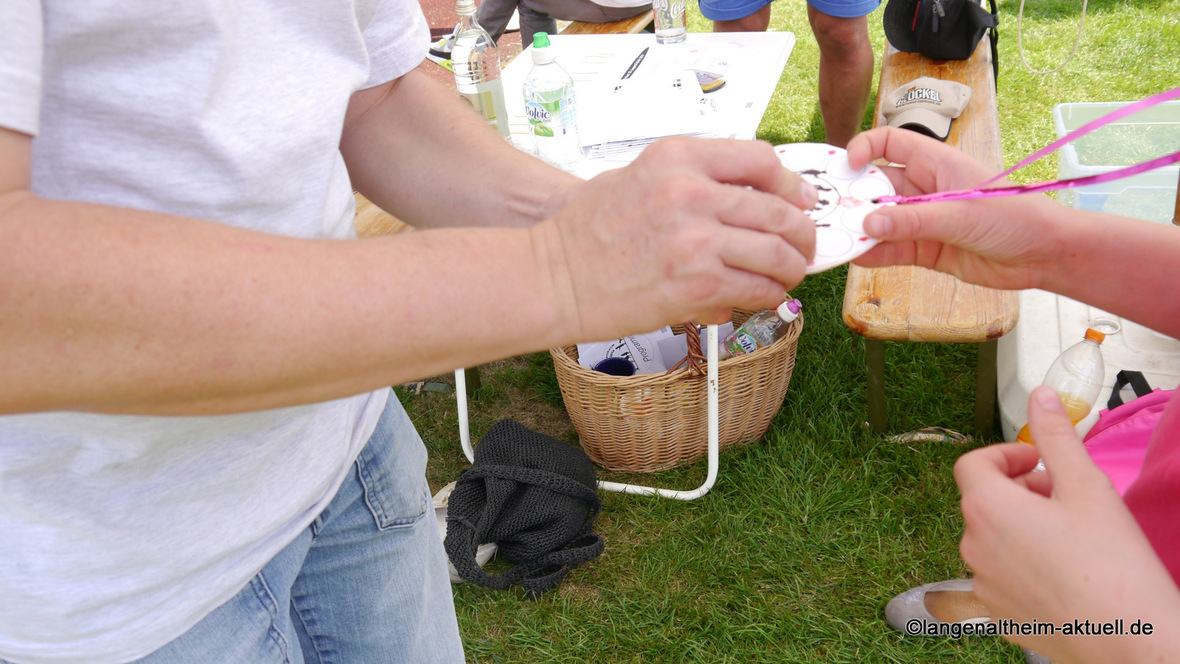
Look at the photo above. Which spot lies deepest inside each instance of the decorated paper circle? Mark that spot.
(845, 198)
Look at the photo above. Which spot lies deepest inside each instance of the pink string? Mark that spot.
(980, 192)
(967, 194)
(1090, 126)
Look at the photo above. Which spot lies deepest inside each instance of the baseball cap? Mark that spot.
(926, 105)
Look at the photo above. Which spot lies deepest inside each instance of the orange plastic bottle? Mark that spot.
(1077, 376)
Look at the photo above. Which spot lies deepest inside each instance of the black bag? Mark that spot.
(942, 29)
(535, 497)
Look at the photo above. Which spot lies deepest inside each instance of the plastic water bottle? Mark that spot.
(761, 329)
(476, 63)
(551, 108)
(1077, 376)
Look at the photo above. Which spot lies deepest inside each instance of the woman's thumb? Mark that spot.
(1058, 443)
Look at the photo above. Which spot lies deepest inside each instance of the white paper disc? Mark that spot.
(845, 198)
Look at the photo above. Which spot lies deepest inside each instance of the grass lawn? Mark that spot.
(811, 530)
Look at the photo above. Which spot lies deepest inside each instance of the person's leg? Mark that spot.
(534, 18)
(374, 586)
(542, 15)
(846, 65)
(494, 16)
(737, 15)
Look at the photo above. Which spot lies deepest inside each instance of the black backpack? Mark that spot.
(942, 29)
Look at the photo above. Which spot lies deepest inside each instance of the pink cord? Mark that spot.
(980, 192)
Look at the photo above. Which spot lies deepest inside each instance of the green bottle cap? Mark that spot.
(540, 39)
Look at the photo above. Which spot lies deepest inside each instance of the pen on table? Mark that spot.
(631, 70)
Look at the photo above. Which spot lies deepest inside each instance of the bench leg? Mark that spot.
(985, 389)
(875, 361)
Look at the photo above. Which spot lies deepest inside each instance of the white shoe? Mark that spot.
(920, 610)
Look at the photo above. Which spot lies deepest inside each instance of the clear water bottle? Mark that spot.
(476, 63)
(761, 329)
(551, 109)
(1077, 376)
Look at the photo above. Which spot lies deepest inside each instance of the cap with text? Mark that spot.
(926, 105)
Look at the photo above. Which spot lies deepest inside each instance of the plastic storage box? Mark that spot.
(1150, 133)
(1050, 323)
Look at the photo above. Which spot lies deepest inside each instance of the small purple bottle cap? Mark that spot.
(789, 310)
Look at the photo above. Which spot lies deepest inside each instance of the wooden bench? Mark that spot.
(916, 304)
(628, 26)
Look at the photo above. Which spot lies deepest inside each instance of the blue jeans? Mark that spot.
(366, 583)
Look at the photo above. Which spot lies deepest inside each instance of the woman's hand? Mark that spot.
(1059, 546)
(688, 231)
(1003, 242)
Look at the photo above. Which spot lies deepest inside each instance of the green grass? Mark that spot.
(809, 532)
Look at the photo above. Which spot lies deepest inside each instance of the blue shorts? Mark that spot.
(731, 10)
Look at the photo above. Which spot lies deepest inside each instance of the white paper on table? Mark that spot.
(751, 62)
(642, 110)
(639, 348)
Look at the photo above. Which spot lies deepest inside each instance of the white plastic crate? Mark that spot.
(1150, 133)
(1050, 323)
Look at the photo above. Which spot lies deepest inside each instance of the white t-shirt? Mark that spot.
(118, 533)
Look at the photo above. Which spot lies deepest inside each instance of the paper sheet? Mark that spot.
(639, 348)
(640, 112)
(751, 63)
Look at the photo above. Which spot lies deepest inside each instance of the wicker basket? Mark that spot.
(651, 422)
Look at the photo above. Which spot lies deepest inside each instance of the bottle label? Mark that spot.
(744, 341)
(536, 113)
(551, 118)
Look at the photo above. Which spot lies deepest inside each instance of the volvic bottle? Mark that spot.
(1077, 376)
(761, 329)
(551, 108)
(476, 63)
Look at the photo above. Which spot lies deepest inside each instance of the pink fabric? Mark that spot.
(1118, 441)
(1154, 498)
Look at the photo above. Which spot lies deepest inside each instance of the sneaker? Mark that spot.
(441, 49)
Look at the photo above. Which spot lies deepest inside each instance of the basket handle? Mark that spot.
(695, 359)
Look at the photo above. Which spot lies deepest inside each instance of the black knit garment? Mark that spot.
(535, 497)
